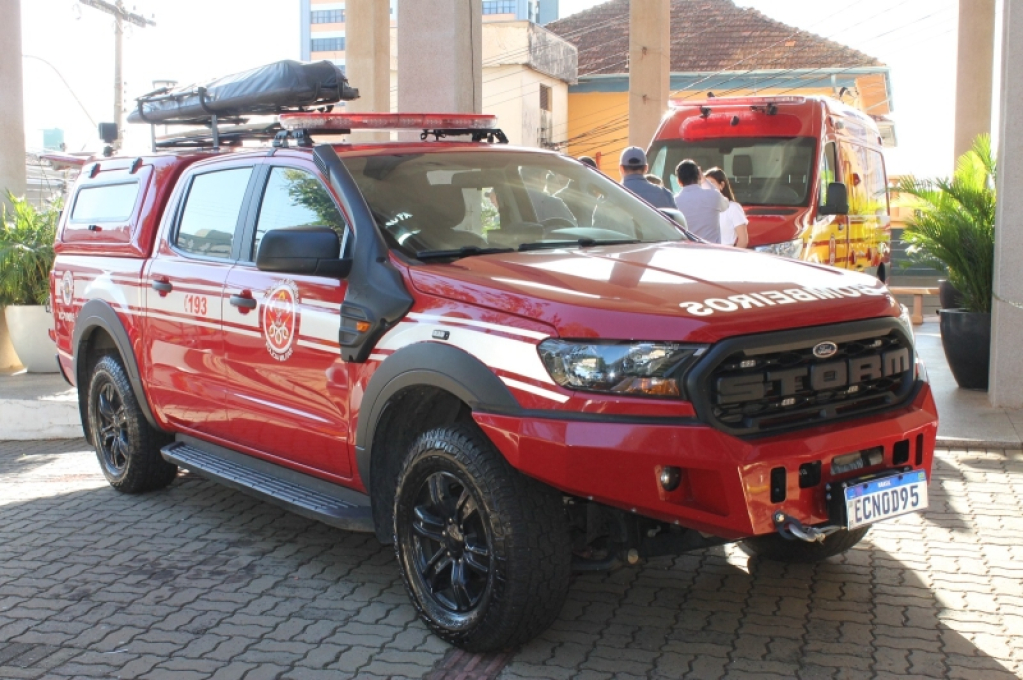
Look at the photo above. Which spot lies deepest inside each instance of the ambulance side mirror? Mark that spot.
(302, 250)
(837, 202)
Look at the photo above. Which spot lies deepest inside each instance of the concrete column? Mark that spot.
(649, 67)
(1005, 387)
(440, 67)
(12, 122)
(975, 66)
(12, 105)
(368, 59)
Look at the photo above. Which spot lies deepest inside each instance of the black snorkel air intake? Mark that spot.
(376, 298)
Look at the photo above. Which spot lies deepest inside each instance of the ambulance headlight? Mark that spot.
(653, 369)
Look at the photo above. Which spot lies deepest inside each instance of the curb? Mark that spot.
(973, 444)
(34, 419)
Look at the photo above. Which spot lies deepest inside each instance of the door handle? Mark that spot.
(243, 302)
(162, 286)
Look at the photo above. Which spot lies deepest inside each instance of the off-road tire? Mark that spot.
(526, 535)
(127, 446)
(774, 547)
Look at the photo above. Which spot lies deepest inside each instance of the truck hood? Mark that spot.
(664, 291)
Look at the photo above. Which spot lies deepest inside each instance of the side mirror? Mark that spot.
(837, 202)
(302, 250)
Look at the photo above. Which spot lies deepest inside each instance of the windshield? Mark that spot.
(762, 171)
(472, 202)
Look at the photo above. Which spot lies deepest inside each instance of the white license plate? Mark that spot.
(879, 499)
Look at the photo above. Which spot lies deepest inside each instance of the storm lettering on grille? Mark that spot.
(826, 376)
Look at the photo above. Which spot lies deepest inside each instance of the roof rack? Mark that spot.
(269, 90)
(288, 90)
(295, 129)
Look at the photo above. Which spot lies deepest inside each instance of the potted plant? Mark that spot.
(956, 227)
(26, 258)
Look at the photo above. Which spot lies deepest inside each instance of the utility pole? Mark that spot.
(121, 15)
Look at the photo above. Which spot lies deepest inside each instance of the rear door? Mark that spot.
(288, 386)
(184, 287)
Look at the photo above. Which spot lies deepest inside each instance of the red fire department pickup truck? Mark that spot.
(496, 358)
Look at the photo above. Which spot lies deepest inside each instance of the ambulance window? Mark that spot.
(295, 198)
(827, 175)
(210, 216)
(864, 177)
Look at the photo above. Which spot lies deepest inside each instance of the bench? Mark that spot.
(918, 300)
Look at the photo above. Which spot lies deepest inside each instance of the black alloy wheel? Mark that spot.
(484, 551)
(127, 446)
(112, 442)
(451, 544)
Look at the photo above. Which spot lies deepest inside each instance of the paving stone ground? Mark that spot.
(198, 581)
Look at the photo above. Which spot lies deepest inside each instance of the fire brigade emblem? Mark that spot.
(280, 320)
(67, 288)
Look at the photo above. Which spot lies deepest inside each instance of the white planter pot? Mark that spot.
(29, 326)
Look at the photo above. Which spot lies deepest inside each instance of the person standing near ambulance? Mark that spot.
(733, 220)
(700, 204)
(633, 167)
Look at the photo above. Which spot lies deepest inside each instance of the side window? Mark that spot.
(295, 198)
(105, 203)
(211, 212)
(829, 162)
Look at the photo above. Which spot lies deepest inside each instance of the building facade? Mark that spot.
(323, 22)
(527, 69)
(716, 47)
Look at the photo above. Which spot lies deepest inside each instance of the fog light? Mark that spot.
(670, 478)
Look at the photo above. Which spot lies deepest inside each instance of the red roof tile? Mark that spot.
(706, 35)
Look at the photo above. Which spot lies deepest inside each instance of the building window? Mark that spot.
(545, 98)
(328, 16)
(499, 6)
(328, 44)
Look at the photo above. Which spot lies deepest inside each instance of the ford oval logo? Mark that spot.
(823, 350)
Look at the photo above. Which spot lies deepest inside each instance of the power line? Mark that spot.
(63, 80)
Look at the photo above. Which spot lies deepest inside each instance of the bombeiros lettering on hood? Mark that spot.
(772, 298)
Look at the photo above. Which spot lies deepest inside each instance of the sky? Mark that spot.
(195, 40)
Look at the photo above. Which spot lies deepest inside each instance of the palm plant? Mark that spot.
(26, 251)
(955, 226)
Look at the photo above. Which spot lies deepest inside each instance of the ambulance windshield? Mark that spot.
(762, 171)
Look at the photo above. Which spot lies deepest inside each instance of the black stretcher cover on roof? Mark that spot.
(274, 88)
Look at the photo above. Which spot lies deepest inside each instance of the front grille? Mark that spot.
(774, 382)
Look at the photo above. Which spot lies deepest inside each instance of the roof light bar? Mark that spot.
(387, 121)
(729, 101)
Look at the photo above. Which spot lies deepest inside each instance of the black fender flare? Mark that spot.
(430, 364)
(98, 314)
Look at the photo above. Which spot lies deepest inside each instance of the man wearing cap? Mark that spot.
(633, 168)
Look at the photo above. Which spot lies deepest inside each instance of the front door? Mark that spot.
(288, 387)
(184, 286)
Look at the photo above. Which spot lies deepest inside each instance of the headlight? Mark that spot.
(906, 321)
(653, 369)
(785, 248)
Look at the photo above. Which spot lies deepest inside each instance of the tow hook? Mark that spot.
(792, 529)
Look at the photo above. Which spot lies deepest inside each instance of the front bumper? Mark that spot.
(726, 487)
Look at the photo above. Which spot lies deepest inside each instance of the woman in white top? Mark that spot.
(733, 220)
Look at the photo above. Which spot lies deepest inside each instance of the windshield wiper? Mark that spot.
(581, 242)
(464, 251)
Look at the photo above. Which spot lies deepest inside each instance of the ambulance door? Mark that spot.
(830, 236)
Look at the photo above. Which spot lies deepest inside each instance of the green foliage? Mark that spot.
(955, 226)
(26, 251)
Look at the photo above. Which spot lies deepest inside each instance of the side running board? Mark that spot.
(300, 493)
